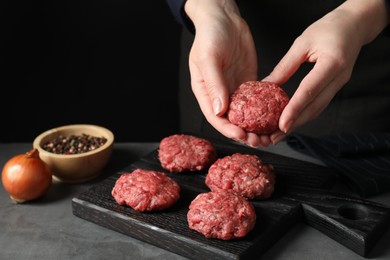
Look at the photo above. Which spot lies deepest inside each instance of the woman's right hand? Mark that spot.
(222, 56)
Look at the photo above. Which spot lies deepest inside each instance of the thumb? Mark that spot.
(217, 89)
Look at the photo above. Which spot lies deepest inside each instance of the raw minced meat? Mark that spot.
(221, 214)
(181, 152)
(146, 190)
(244, 174)
(256, 106)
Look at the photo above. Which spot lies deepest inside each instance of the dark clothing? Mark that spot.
(177, 9)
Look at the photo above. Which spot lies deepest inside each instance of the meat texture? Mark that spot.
(256, 106)
(221, 214)
(181, 152)
(146, 190)
(243, 174)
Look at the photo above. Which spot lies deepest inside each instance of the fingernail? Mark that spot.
(278, 138)
(241, 139)
(265, 79)
(288, 126)
(217, 106)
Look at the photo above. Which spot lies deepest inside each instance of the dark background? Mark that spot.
(111, 63)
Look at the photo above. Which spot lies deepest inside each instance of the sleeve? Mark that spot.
(177, 10)
(386, 31)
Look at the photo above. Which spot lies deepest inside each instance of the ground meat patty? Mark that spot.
(243, 174)
(180, 152)
(221, 214)
(256, 106)
(146, 190)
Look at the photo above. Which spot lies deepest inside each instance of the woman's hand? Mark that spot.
(222, 56)
(333, 43)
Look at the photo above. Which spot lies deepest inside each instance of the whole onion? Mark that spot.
(26, 177)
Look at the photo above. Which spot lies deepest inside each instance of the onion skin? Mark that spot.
(26, 177)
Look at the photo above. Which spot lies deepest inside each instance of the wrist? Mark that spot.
(371, 17)
(200, 11)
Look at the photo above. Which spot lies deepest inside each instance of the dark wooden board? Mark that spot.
(299, 196)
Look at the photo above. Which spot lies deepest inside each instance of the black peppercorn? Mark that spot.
(74, 144)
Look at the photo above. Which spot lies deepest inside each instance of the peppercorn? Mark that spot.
(74, 144)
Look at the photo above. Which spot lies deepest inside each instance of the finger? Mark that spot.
(221, 124)
(236, 133)
(288, 65)
(312, 95)
(277, 137)
(229, 130)
(315, 108)
(265, 140)
(210, 73)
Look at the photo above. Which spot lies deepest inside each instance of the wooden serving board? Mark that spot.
(300, 195)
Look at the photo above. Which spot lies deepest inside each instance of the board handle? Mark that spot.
(354, 222)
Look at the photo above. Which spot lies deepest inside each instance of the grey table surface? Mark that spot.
(47, 229)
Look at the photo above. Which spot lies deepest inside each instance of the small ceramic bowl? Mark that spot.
(77, 167)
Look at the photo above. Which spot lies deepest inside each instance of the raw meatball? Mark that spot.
(256, 106)
(146, 190)
(221, 214)
(243, 174)
(178, 153)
